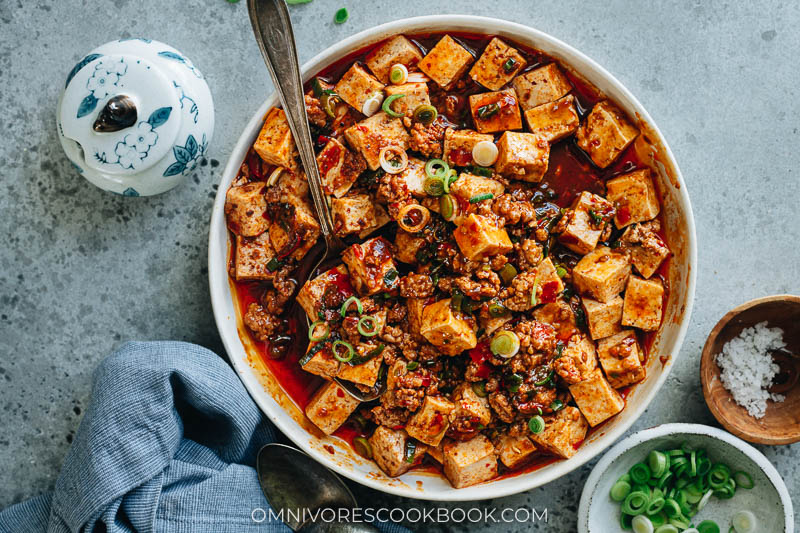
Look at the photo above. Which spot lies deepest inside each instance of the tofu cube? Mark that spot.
(586, 221)
(560, 315)
(605, 134)
(302, 222)
(498, 64)
(458, 145)
(581, 353)
(446, 62)
(643, 302)
(414, 177)
(634, 197)
(398, 369)
(407, 246)
(541, 86)
(646, 248)
(415, 307)
(330, 406)
(490, 324)
(437, 452)
(471, 462)
(602, 273)
(495, 111)
(554, 120)
(469, 185)
(293, 185)
(373, 134)
(371, 267)
(322, 362)
(381, 219)
(275, 144)
(548, 283)
(415, 95)
(563, 432)
(339, 168)
(431, 421)
(365, 373)
(515, 451)
(356, 85)
(470, 406)
(246, 208)
(389, 451)
(352, 214)
(522, 156)
(396, 50)
(252, 256)
(597, 400)
(622, 358)
(478, 237)
(310, 295)
(604, 318)
(447, 329)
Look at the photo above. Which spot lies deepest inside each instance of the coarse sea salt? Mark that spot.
(747, 369)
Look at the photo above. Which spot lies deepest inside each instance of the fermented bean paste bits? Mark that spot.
(499, 276)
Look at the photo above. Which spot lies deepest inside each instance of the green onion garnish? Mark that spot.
(367, 326)
(387, 105)
(497, 310)
(536, 424)
(450, 177)
(434, 186)
(341, 16)
(481, 171)
(481, 197)
(546, 380)
(743, 480)
(411, 447)
(390, 277)
(413, 365)
(708, 526)
(505, 344)
(635, 503)
(436, 168)
(557, 405)
(349, 353)
(425, 114)
(513, 382)
(479, 388)
(486, 111)
(534, 300)
(620, 490)
(561, 271)
(447, 207)
(274, 264)
(509, 65)
(507, 273)
(362, 447)
(346, 305)
(597, 219)
(313, 328)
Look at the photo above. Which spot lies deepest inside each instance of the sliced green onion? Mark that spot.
(639, 473)
(509, 65)
(505, 344)
(507, 273)
(547, 379)
(274, 264)
(481, 171)
(434, 186)
(436, 168)
(743, 480)
(557, 405)
(346, 305)
(561, 271)
(450, 177)
(635, 503)
(655, 505)
(667, 528)
(708, 526)
(534, 300)
(658, 519)
(341, 16)
(672, 508)
(390, 277)
(324, 335)
(479, 388)
(704, 500)
(398, 74)
(362, 447)
(412, 365)
(536, 424)
(386, 106)
(657, 461)
(367, 326)
(625, 521)
(486, 111)
(642, 524)
(411, 448)
(497, 310)
(347, 356)
(744, 522)
(425, 114)
(513, 382)
(447, 207)
(620, 490)
(481, 197)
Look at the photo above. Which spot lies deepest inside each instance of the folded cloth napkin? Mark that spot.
(168, 444)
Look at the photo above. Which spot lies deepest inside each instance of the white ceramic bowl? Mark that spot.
(333, 452)
(768, 499)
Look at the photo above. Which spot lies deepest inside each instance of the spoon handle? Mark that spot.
(273, 30)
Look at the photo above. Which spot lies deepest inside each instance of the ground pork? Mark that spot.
(416, 286)
(316, 115)
(262, 323)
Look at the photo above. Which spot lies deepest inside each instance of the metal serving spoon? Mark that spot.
(292, 481)
(273, 31)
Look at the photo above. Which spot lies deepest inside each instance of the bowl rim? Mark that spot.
(708, 362)
(582, 65)
(640, 437)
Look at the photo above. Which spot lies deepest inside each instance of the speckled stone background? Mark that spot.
(82, 270)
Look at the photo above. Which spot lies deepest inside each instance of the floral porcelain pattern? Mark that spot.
(150, 156)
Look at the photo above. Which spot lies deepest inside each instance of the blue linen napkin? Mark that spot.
(167, 444)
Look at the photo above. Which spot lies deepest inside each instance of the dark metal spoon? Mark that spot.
(292, 481)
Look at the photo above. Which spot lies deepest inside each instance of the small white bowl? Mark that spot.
(769, 499)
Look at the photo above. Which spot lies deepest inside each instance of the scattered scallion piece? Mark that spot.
(620, 490)
(447, 207)
(507, 273)
(425, 114)
(743, 480)
(362, 447)
(411, 366)
(486, 111)
(509, 65)
(744, 522)
(497, 310)
(367, 326)
(434, 186)
(341, 16)
(642, 524)
(274, 264)
(708, 526)
(505, 344)
(387, 105)
(351, 300)
(481, 171)
(349, 353)
(481, 197)
(536, 424)
(561, 271)
(557, 405)
(398, 74)
(411, 448)
(513, 382)
(436, 168)
(479, 388)
(313, 336)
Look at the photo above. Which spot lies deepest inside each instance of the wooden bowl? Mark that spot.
(781, 423)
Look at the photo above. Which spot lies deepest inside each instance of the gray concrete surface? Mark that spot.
(82, 270)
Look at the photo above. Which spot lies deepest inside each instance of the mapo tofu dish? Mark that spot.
(505, 268)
